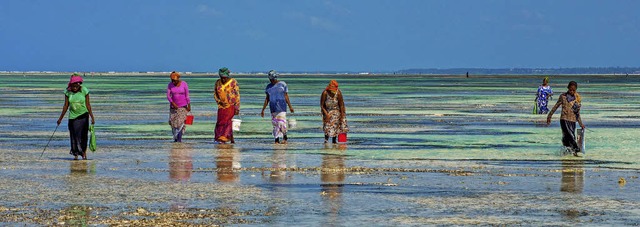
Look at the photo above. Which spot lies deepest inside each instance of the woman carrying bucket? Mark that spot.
(278, 100)
(180, 105)
(76, 100)
(333, 112)
(227, 95)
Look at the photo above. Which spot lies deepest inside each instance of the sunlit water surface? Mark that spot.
(421, 150)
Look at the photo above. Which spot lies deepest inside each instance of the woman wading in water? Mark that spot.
(76, 100)
(571, 104)
(278, 99)
(333, 112)
(544, 94)
(179, 105)
(227, 95)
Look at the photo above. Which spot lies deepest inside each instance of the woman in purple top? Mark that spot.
(180, 105)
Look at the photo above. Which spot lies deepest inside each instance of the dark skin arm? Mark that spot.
(266, 102)
(341, 104)
(64, 109)
(324, 112)
(553, 110)
(93, 120)
(286, 98)
(580, 122)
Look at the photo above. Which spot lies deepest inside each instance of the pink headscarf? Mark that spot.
(75, 78)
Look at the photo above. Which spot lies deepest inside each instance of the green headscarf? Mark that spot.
(224, 72)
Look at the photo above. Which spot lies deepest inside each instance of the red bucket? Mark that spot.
(342, 137)
(189, 120)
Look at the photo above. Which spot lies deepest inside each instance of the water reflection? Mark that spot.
(277, 176)
(572, 176)
(180, 162)
(227, 159)
(180, 170)
(81, 167)
(332, 181)
(81, 174)
(572, 181)
(279, 160)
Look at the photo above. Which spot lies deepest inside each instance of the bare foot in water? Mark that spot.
(75, 157)
(84, 155)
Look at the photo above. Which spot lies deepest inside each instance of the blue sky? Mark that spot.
(305, 35)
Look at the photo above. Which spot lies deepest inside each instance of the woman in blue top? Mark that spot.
(76, 100)
(278, 100)
(544, 94)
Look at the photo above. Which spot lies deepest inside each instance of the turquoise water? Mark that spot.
(422, 150)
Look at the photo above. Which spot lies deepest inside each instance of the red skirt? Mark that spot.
(224, 130)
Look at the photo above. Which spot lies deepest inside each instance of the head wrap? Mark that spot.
(545, 80)
(273, 75)
(174, 75)
(333, 86)
(223, 72)
(75, 78)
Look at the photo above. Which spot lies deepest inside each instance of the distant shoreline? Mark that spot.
(199, 74)
(410, 71)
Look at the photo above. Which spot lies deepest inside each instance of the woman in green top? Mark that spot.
(76, 100)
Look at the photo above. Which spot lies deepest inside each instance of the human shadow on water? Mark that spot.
(180, 162)
(332, 178)
(227, 161)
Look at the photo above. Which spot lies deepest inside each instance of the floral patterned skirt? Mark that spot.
(335, 125)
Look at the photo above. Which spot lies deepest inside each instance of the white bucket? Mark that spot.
(235, 124)
(292, 123)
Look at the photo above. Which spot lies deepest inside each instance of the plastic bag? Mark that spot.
(535, 107)
(92, 139)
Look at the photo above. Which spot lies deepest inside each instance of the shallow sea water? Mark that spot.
(423, 150)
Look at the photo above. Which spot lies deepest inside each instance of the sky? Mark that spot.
(316, 35)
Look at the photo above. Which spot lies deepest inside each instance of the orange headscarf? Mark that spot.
(333, 86)
(174, 75)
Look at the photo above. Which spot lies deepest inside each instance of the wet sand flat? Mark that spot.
(423, 150)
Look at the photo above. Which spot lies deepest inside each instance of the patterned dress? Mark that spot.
(335, 125)
(227, 95)
(544, 93)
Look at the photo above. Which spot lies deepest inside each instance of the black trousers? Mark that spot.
(569, 134)
(78, 134)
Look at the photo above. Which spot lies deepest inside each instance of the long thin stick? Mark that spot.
(45, 147)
